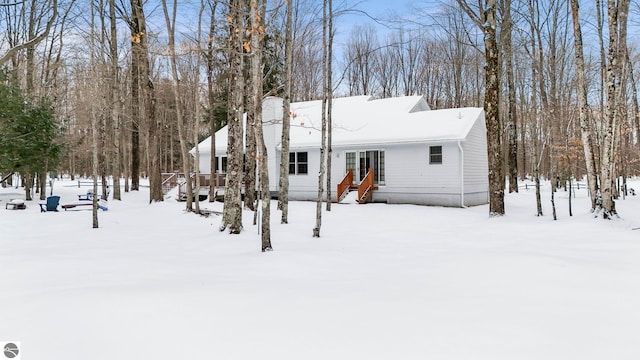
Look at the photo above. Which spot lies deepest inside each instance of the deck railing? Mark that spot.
(344, 185)
(365, 189)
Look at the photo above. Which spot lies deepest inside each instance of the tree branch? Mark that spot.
(33, 42)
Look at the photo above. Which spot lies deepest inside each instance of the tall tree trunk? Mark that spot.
(487, 23)
(585, 127)
(170, 21)
(196, 101)
(250, 140)
(94, 167)
(617, 20)
(232, 214)
(283, 195)
(634, 96)
(511, 121)
(250, 133)
(136, 117)
(153, 163)
(115, 103)
(491, 108)
(210, 57)
(323, 142)
(257, 11)
(103, 131)
(329, 95)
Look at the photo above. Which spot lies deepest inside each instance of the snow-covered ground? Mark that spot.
(383, 282)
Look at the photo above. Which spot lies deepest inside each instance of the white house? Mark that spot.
(418, 155)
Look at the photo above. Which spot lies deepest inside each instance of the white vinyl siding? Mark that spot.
(475, 160)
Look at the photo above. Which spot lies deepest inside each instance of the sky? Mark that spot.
(378, 13)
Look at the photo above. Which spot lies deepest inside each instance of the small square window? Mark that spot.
(298, 163)
(435, 154)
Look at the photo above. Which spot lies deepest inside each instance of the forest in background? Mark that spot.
(134, 85)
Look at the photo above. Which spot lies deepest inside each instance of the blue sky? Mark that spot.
(383, 14)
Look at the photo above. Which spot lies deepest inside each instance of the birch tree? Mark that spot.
(283, 195)
(329, 97)
(585, 126)
(257, 10)
(326, 11)
(617, 27)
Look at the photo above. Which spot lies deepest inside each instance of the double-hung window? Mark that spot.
(298, 163)
(221, 164)
(435, 154)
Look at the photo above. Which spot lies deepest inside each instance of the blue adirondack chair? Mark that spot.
(51, 205)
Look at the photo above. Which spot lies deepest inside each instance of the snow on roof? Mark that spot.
(384, 121)
(363, 120)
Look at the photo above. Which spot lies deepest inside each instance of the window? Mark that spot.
(298, 163)
(435, 154)
(351, 163)
(221, 161)
(360, 162)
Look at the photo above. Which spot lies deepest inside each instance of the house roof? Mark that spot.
(362, 120)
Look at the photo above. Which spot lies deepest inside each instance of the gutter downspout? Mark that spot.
(461, 175)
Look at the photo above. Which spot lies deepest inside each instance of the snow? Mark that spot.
(383, 282)
(380, 121)
(363, 120)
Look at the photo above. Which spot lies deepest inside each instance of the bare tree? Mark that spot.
(34, 37)
(485, 19)
(170, 21)
(232, 214)
(307, 51)
(386, 70)
(283, 195)
(137, 50)
(511, 123)
(360, 58)
(329, 97)
(210, 56)
(585, 127)
(408, 53)
(257, 10)
(617, 27)
(146, 84)
(197, 111)
(115, 102)
(326, 11)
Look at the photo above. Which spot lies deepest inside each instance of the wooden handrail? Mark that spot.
(6, 178)
(170, 177)
(365, 188)
(345, 184)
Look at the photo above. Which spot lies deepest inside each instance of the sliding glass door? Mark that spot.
(360, 161)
